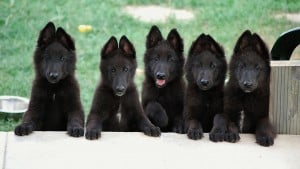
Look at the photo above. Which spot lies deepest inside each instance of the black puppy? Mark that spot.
(246, 102)
(117, 93)
(205, 73)
(163, 88)
(55, 98)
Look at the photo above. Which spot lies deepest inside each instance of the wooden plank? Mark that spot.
(286, 74)
(115, 150)
(285, 63)
(288, 113)
(295, 95)
(278, 87)
(282, 93)
(278, 98)
(285, 96)
(290, 121)
(273, 95)
(298, 99)
(275, 90)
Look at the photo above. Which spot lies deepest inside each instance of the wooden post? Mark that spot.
(285, 96)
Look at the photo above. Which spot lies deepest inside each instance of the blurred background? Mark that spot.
(225, 20)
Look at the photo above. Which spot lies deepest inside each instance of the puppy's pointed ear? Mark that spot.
(243, 41)
(215, 46)
(127, 47)
(201, 43)
(110, 46)
(260, 46)
(198, 45)
(65, 39)
(175, 40)
(153, 37)
(47, 35)
(206, 42)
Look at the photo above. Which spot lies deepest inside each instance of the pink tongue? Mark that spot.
(160, 82)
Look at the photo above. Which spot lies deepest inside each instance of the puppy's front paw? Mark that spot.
(232, 137)
(92, 134)
(152, 131)
(217, 134)
(75, 131)
(195, 133)
(265, 140)
(179, 128)
(24, 129)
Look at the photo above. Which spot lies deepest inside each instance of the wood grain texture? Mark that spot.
(285, 96)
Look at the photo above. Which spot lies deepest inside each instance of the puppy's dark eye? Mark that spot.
(200, 64)
(241, 65)
(212, 65)
(156, 59)
(125, 69)
(113, 70)
(171, 59)
(62, 58)
(258, 67)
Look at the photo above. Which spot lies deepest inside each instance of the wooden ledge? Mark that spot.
(48, 150)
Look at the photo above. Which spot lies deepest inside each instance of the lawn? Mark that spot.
(21, 21)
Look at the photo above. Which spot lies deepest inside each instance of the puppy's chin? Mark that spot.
(52, 81)
(119, 93)
(204, 88)
(247, 89)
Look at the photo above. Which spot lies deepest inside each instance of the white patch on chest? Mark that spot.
(119, 114)
(241, 122)
(53, 97)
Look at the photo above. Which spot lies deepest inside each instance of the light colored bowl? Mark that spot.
(13, 106)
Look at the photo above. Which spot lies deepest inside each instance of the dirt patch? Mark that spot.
(294, 17)
(139, 71)
(296, 53)
(154, 13)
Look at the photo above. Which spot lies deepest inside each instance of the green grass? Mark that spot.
(21, 21)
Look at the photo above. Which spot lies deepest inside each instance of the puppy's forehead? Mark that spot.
(119, 60)
(164, 48)
(251, 57)
(55, 48)
(205, 57)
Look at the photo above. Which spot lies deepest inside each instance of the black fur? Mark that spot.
(248, 91)
(163, 87)
(205, 73)
(55, 98)
(117, 93)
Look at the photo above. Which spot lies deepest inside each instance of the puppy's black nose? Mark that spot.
(160, 75)
(53, 76)
(204, 82)
(247, 84)
(120, 89)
